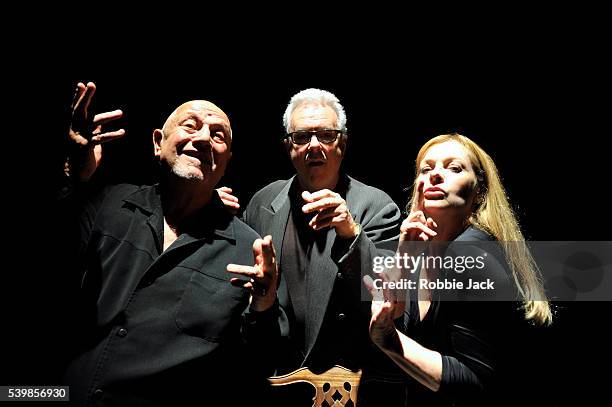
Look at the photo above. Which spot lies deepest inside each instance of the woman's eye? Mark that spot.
(424, 170)
(455, 168)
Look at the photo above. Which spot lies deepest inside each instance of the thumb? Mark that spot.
(267, 251)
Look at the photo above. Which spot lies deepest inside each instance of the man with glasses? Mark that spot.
(324, 225)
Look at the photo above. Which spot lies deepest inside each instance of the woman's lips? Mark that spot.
(434, 193)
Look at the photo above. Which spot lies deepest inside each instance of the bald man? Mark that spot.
(165, 323)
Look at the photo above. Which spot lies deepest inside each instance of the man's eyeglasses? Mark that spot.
(325, 136)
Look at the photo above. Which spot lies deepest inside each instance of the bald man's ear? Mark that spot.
(158, 136)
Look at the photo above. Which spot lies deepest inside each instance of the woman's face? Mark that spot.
(447, 182)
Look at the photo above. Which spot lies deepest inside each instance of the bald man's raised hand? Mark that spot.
(86, 134)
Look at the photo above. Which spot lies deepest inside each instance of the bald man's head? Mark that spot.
(204, 107)
(195, 142)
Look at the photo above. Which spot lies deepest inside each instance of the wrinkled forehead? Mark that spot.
(201, 108)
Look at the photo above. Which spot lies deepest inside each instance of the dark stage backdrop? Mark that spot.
(539, 129)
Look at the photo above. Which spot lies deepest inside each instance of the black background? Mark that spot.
(537, 116)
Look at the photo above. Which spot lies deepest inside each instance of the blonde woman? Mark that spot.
(451, 349)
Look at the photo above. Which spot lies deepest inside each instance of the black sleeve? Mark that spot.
(458, 379)
(475, 324)
(468, 365)
(263, 333)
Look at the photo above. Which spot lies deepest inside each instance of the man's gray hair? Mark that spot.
(313, 95)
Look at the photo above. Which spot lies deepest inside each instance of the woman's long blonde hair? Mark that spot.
(493, 214)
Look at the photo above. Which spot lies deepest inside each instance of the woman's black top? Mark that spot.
(471, 329)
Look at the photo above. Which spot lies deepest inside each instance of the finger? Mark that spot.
(333, 221)
(423, 237)
(429, 232)
(406, 224)
(269, 238)
(324, 214)
(85, 100)
(268, 252)
(320, 221)
(386, 311)
(369, 284)
(412, 232)
(81, 105)
(91, 90)
(102, 118)
(322, 204)
(78, 114)
(316, 206)
(78, 138)
(416, 216)
(78, 93)
(423, 228)
(431, 223)
(408, 233)
(108, 136)
(374, 292)
(226, 193)
(229, 204)
(321, 224)
(323, 193)
(247, 271)
(272, 249)
(227, 197)
(257, 251)
(404, 227)
(421, 217)
(383, 313)
(391, 294)
(388, 294)
(229, 201)
(416, 227)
